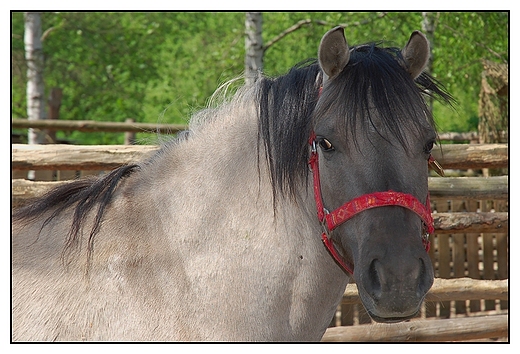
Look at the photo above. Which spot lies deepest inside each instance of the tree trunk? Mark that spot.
(254, 46)
(35, 86)
(428, 27)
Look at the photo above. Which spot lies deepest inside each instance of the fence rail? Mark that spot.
(119, 127)
(446, 330)
(450, 290)
(97, 126)
(69, 157)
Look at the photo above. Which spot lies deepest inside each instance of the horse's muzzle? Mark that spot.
(394, 294)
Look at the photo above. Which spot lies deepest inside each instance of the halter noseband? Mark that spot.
(331, 220)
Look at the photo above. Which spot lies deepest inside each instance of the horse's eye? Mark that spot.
(429, 147)
(326, 145)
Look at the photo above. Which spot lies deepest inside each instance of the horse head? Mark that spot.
(371, 142)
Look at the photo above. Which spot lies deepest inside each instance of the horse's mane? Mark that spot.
(286, 105)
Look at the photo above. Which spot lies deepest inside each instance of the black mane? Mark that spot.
(288, 106)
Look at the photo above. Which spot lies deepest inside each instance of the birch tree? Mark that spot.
(254, 46)
(428, 24)
(35, 86)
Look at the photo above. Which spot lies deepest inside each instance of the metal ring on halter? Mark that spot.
(326, 229)
(425, 233)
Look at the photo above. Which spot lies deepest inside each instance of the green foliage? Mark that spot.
(462, 41)
(160, 67)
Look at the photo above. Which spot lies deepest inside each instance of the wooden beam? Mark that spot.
(456, 136)
(93, 125)
(77, 157)
(446, 330)
(469, 222)
(66, 157)
(472, 156)
(451, 289)
(469, 188)
(98, 126)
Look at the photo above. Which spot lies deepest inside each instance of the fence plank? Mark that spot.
(447, 223)
(92, 125)
(459, 257)
(451, 289)
(457, 329)
(75, 157)
(70, 157)
(97, 126)
(469, 188)
(472, 156)
(444, 265)
(503, 262)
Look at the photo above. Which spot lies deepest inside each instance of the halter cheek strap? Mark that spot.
(331, 220)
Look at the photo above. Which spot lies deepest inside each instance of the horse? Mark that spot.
(250, 225)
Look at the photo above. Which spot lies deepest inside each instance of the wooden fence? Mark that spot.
(470, 247)
(133, 127)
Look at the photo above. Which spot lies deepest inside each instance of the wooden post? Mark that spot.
(130, 136)
(53, 105)
(54, 112)
(472, 254)
(444, 266)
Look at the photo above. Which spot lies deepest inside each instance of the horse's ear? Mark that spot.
(416, 53)
(333, 53)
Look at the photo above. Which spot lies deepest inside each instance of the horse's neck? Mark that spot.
(230, 169)
(214, 202)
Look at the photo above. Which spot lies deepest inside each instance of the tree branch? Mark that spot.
(309, 21)
(46, 33)
(289, 30)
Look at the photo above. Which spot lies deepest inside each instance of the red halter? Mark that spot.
(331, 220)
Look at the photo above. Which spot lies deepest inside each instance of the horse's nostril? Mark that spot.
(374, 281)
